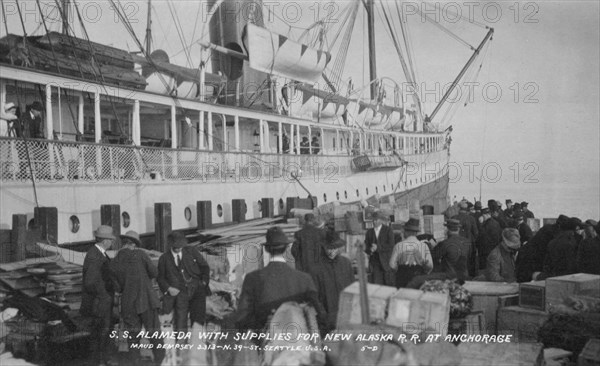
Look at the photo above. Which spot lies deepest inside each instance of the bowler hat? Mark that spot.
(453, 225)
(104, 232)
(577, 222)
(524, 204)
(508, 201)
(177, 240)
(37, 106)
(333, 241)
(133, 236)
(511, 238)
(492, 205)
(276, 237)
(412, 225)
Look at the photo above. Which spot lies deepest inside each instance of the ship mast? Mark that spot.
(149, 28)
(462, 72)
(65, 17)
(369, 5)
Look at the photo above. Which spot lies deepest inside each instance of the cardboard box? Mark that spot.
(590, 355)
(521, 322)
(521, 354)
(349, 307)
(558, 288)
(532, 295)
(415, 311)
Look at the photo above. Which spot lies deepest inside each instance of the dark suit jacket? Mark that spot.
(469, 228)
(385, 245)
(133, 271)
(307, 248)
(264, 290)
(97, 291)
(194, 267)
(31, 127)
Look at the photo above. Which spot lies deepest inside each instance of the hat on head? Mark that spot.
(518, 214)
(309, 218)
(104, 232)
(463, 205)
(333, 241)
(276, 237)
(177, 240)
(508, 201)
(412, 225)
(562, 219)
(36, 106)
(590, 222)
(469, 204)
(492, 205)
(133, 236)
(485, 210)
(524, 204)
(453, 225)
(511, 238)
(478, 205)
(517, 206)
(8, 106)
(577, 222)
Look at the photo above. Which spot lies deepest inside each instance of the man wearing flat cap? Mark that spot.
(334, 275)
(133, 272)
(501, 261)
(379, 244)
(183, 278)
(98, 293)
(264, 290)
(454, 252)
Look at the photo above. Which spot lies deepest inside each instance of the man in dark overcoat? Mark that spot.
(454, 252)
(98, 293)
(334, 275)
(133, 272)
(469, 229)
(183, 278)
(307, 244)
(561, 256)
(489, 237)
(264, 290)
(379, 244)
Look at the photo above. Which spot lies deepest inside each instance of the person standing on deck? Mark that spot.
(455, 252)
(588, 254)
(306, 249)
(133, 272)
(489, 237)
(98, 293)
(501, 261)
(8, 118)
(379, 244)
(183, 278)
(334, 275)
(410, 257)
(561, 256)
(264, 290)
(508, 212)
(31, 121)
(528, 214)
(469, 231)
(525, 231)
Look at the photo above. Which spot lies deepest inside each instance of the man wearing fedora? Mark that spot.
(133, 272)
(501, 261)
(98, 293)
(379, 244)
(264, 290)
(410, 257)
(307, 244)
(334, 275)
(31, 121)
(183, 278)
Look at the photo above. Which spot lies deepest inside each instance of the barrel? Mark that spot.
(488, 297)
(427, 209)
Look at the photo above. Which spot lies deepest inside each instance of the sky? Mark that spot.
(538, 140)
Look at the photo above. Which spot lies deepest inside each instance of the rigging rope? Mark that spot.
(446, 30)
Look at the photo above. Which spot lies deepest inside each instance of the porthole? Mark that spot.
(337, 196)
(126, 219)
(219, 210)
(259, 206)
(74, 224)
(188, 214)
(324, 197)
(345, 194)
(281, 203)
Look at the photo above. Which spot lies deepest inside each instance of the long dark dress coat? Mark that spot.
(333, 276)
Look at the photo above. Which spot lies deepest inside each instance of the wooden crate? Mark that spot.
(521, 354)
(522, 323)
(349, 307)
(557, 288)
(486, 298)
(416, 311)
(590, 355)
(533, 295)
